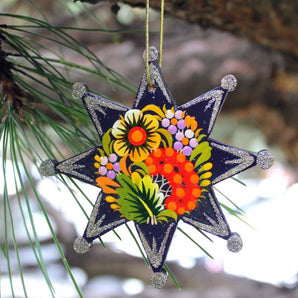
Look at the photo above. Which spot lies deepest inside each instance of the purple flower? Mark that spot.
(187, 151)
(181, 124)
(172, 129)
(179, 136)
(102, 170)
(113, 157)
(178, 114)
(169, 114)
(165, 122)
(116, 167)
(178, 146)
(111, 175)
(193, 142)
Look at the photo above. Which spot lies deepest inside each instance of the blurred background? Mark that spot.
(105, 51)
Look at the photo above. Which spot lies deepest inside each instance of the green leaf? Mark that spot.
(167, 135)
(106, 142)
(202, 152)
(167, 213)
(142, 166)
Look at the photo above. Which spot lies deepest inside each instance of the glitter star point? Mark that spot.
(156, 165)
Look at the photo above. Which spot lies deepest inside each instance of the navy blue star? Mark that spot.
(215, 162)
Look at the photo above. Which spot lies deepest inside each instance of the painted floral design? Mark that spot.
(141, 200)
(185, 184)
(136, 134)
(154, 165)
(107, 166)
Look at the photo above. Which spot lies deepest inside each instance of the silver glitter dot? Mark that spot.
(153, 54)
(229, 82)
(265, 159)
(155, 260)
(159, 279)
(79, 90)
(235, 243)
(81, 245)
(47, 168)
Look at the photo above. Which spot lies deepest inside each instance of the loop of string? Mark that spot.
(162, 5)
(162, 13)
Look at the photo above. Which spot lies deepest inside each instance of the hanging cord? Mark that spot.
(147, 45)
(162, 5)
(162, 13)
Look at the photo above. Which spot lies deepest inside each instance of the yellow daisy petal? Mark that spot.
(153, 141)
(120, 148)
(118, 128)
(138, 154)
(132, 116)
(150, 123)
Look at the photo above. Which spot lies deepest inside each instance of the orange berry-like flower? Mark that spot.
(180, 157)
(177, 178)
(194, 178)
(168, 168)
(157, 153)
(171, 206)
(152, 169)
(188, 166)
(180, 211)
(169, 152)
(191, 205)
(196, 192)
(180, 192)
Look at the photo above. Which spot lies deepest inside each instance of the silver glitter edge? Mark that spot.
(234, 243)
(94, 104)
(69, 166)
(94, 227)
(229, 82)
(214, 97)
(47, 168)
(265, 159)
(159, 279)
(153, 54)
(243, 162)
(81, 245)
(79, 90)
(156, 80)
(155, 255)
(219, 229)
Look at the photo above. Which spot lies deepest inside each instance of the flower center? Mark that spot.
(137, 136)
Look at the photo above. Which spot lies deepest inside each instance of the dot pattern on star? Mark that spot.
(157, 165)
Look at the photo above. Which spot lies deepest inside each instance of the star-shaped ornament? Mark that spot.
(156, 165)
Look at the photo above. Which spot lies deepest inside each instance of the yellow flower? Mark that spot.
(136, 135)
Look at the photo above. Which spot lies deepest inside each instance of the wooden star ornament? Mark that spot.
(156, 165)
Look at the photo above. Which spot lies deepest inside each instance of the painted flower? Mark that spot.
(182, 179)
(107, 166)
(183, 129)
(136, 135)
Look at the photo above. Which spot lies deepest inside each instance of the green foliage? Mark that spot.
(140, 202)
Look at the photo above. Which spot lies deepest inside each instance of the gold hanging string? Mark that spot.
(147, 45)
(162, 13)
(162, 5)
